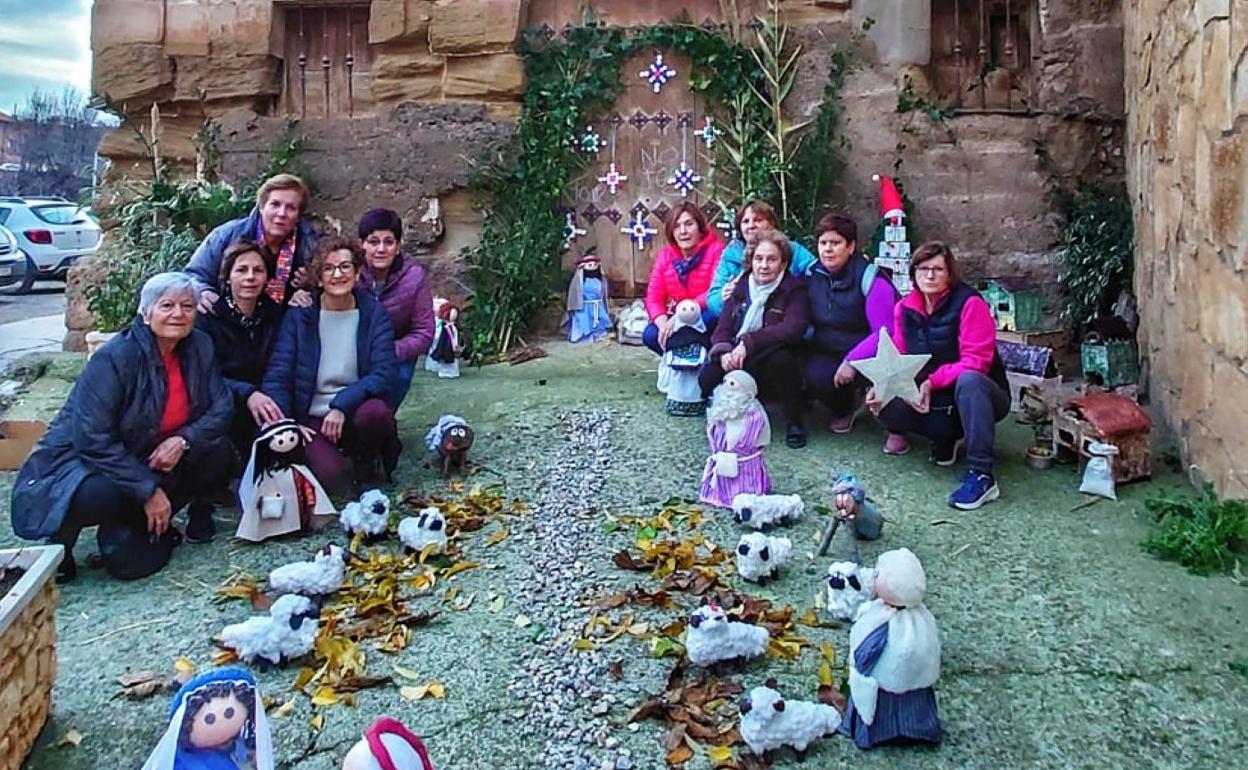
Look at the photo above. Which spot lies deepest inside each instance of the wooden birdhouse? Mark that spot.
(1108, 418)
(1015, 303)
(1030, 366)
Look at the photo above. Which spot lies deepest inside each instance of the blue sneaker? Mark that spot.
(977, 488)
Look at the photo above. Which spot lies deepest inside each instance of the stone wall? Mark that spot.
(27, 671)
(1187, 81)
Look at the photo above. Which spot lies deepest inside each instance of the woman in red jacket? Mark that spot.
(683, 269)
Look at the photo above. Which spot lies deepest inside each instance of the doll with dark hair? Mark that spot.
(216, 722)
(278, 493)
(444, 354)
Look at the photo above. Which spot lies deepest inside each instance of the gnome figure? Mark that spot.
(894, 660)
(387, 745)
(589, 318)
(277, 493)
(738, 430)
(851, 508)
(216, 722)
(685, 354)
(443, 356)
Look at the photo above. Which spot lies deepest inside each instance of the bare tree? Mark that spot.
(56, 137)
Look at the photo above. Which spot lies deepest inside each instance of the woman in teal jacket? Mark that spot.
(753, 216)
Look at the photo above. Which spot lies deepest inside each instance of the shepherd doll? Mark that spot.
(277, 493)
(685, 354)
(894, 660)
(444, 353)
(737, 429)
(216, 722)
(589, 318)
(387, 745)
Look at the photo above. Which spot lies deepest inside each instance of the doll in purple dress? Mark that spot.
(738, 430)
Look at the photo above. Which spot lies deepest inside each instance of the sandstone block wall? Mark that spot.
(27, 671)
(1187, 89)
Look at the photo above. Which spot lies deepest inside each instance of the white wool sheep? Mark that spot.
(428, 527)
(323, 575)
(711, 637)
(768, 721)
(759, 556)
(764, 511)
(288, 631)
(371, 515)
(849, 587)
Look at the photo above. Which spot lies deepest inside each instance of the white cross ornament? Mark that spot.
(683, 179)
(591, 141)
(891, 373)
(658, 73)
(708, 133)
(639, 231)
(570, 231)
(613, 179)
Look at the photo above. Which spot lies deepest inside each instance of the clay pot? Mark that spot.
(1040, 457)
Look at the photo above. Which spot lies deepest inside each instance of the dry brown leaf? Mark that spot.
(625, 560)
(616, 669)
(284, 710)
(679, 755)
(497, 537)
(143, 684)
(458, 567)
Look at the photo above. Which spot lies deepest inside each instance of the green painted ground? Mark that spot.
(1064, 644)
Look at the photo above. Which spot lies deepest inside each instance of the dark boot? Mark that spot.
(200, 528)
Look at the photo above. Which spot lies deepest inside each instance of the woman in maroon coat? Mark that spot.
(762, 328)
(402, 286)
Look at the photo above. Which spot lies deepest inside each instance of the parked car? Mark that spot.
(12, 259)
(54, 232)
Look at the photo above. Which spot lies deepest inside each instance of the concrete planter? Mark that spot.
(96, 340)
(27, 650)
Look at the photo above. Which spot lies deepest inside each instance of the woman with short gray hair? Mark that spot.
(142, 433)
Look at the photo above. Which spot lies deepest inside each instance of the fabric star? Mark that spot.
(892, 373)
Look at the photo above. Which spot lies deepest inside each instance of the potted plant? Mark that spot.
(1034, 411)
(27, 646)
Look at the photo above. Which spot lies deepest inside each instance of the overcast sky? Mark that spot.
(44, 44)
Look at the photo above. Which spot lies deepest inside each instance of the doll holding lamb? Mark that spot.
(737, 429)
(684, 356)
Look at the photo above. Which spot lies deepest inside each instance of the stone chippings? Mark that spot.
(564, 695)
(27, 671)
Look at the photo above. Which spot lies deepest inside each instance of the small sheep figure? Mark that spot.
(288, 631)
(419, 531)
(323, 575)
(371, 515)
(849, 587)
(768, 721)
(711, 637)
(764, 511)
(759, 557)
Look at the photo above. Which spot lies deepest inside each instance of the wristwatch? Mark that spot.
(186, 445)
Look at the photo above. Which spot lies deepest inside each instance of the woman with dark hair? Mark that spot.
(850, 301)
(963, 391)
(243, 326)
(682, 270)
(402, 285)
(333, 367)
(761, 330)
(752, 217)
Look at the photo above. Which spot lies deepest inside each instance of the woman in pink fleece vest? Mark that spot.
(683, 269)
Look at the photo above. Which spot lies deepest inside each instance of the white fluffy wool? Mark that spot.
(759, 556)
(768, 721)
(323, 575)
(271, 636)
(429, 526)
(371, 515)
(764, 511)
(843, 599)
(711, 637)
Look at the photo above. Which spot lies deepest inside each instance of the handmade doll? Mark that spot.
(685, 354)
(894, 660)
(851, 507)
(444, 353)
(738, 430)
(589, 318)
(277, 493)
(387, 745)
(451, 438)
(216, 722)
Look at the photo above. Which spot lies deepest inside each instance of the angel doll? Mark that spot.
(737, 429)
(277, 493)
(216, 722)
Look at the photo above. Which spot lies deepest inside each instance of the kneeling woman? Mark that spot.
(333, 368)
(761, 330)
(142, 433)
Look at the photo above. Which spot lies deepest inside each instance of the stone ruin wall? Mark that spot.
(446, 81)
(1187, 86)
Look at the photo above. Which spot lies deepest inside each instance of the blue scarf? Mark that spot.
(684, 267)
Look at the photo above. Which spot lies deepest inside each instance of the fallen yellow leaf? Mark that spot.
(429, 550)
(71, 738)
(184, 666)
(324, 696)
(283, 711)
(413, 692)
(436, 690)
(459, 567)
(497, 537)
(317, 721)
(406, 673)
(522, 621)
(718, 755)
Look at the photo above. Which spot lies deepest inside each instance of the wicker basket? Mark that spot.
(27, 650)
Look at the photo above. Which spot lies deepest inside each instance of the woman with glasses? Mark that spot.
(963, 391)
(333, 367)
(402, 286)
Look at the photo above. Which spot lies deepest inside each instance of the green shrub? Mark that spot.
(1098, 250)
(1203, 533)
(115, 299)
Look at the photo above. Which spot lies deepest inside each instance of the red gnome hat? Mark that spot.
(386, 726)
(891, 207)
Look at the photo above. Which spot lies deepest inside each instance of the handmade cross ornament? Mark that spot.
(684, 179)
(590, 141)
(708, 133)
(570, 231)
(613, 179)
(639, 231)
(891, 373)
(658, 73)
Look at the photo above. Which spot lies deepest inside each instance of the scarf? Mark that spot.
(276, 287)
(758, 296)
(684, 267)
(238, 316)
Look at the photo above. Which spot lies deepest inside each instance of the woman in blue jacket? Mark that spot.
(753, 217)
(333, 368)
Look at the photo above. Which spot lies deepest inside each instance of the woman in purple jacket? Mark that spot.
(401, 285)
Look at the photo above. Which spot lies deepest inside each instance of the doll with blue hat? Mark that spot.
(216, 722)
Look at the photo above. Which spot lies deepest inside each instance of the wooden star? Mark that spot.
(892, 373)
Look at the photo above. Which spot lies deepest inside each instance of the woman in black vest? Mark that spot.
(963, 391)
(850, 301)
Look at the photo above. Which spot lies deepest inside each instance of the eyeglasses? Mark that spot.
(342, 268)
(378, 242)
(931, 269)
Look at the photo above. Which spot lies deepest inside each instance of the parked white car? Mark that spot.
(53, 232)
(12, 259)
